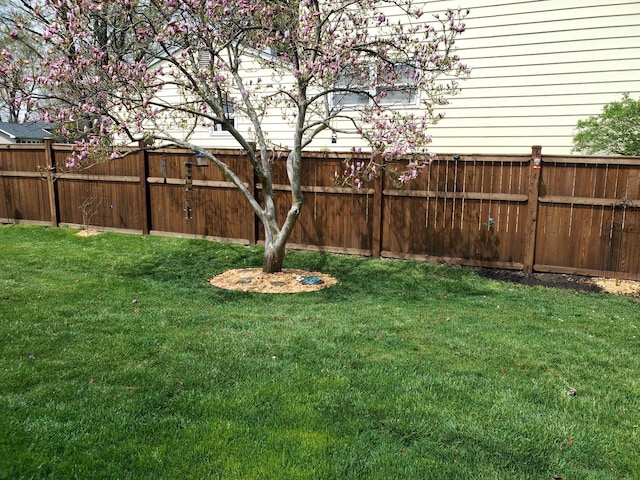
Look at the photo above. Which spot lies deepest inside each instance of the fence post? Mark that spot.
(376, 214)
(144, 188)
(51, 181)
(254, 231)
(533, 194)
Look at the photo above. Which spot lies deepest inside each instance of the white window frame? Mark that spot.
(410, 86)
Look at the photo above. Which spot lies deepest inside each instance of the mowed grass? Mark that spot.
(118, 360)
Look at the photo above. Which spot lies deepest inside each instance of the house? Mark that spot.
(23, 132)
(537, 68)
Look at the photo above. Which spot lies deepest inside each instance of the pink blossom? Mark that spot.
(130, 85)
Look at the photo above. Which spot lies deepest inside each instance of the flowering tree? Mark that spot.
(20, 57)
(157, 70)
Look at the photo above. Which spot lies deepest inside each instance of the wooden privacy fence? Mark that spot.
(559, 214)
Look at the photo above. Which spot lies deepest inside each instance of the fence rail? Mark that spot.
(575, 215)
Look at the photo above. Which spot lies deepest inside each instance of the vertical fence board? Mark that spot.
(143, 189)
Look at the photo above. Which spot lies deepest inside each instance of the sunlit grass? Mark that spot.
(118, 360)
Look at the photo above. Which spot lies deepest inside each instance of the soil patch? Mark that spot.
(572, 282)
(287, 281)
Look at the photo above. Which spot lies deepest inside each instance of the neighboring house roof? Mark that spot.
(34, 132)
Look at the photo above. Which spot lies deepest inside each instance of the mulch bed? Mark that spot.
(287, 281)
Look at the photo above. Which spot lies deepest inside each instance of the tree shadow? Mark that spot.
(192, 262)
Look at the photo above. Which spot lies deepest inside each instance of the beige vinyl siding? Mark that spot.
(538, 68)
(254, 68)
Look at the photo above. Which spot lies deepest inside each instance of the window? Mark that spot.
(400, 88)
(204, 59)
(395, 86)
(229, 114)
(349, 80)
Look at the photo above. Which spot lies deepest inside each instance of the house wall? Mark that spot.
(256, 71)
(539, 66)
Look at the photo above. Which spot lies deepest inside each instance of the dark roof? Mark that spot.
(25, 131)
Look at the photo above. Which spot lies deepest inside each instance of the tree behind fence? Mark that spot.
(573, 215)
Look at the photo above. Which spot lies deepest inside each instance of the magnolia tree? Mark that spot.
(158, 70)
(20, 59)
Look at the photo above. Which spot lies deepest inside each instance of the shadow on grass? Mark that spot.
(190, 264)
(382, 277)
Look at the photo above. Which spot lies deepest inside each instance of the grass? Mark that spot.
(118, 360)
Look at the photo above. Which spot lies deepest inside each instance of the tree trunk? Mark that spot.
(276, 237)
(273, 257)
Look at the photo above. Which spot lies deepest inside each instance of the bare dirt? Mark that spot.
(572, 282)
(287, 281)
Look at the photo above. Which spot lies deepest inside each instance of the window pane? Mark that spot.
(398, 96)
(350, 78)
(221, 127)
(350, 99)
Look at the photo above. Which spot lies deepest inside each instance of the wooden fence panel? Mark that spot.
(187, 199)
(336, 220)
(333, 218)
(463, 210)
(105, 204)
(128, 166)
(25, 191)
(589, 217)
(24, 199)
(575, 215)
(24, 158)
(339, 217)
(105, 195)
(168, 199)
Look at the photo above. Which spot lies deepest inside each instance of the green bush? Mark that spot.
(615, 131)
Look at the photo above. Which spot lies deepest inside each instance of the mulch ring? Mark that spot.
(287, 281)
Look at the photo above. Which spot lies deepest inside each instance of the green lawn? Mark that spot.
(119, 361)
